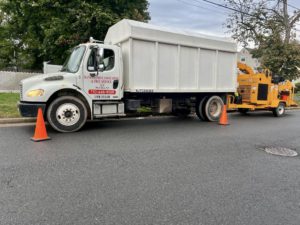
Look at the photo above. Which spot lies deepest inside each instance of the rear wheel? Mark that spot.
(200, 109)
(280, 110)
(67, 114)
(213, 108)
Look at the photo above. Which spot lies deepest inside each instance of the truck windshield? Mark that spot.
(73, 62)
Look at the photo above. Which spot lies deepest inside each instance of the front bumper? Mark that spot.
(27, 109)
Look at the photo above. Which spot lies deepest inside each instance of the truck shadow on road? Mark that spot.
(135, 123)
(168, 122)
(259, 114)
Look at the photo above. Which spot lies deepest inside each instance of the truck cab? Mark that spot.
(89, 85)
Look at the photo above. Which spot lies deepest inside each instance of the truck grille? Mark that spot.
(245, 92)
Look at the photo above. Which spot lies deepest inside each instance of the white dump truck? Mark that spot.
(137, 65)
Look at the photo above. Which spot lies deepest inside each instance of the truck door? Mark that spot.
(102, 73)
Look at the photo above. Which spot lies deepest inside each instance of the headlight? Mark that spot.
(35, 93)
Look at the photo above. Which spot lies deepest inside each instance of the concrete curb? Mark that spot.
(16, 120)
(32, 120)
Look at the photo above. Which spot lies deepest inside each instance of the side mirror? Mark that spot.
(97, 58)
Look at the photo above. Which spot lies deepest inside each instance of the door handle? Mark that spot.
(93, 74)
(115, 84)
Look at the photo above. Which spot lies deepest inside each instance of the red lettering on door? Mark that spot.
(102, 92)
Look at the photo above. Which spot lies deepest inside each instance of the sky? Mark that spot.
(196, 15)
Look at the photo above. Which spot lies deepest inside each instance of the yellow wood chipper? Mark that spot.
(261, 91)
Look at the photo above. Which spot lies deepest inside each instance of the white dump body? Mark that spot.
(165, 60)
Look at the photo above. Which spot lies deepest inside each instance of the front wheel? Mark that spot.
(67, 114)
(280, 110)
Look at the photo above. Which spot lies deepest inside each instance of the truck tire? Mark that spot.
(213, 108)
(200, 109)
(67, 114)
(280, 110)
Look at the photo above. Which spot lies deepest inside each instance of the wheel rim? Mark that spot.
(215, 108)
(68, 114)
(280, 109)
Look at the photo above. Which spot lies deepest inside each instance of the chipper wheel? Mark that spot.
(280, 110)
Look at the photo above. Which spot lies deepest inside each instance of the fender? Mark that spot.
(67, 87)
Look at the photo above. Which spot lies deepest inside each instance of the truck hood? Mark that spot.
(43, 77)
(49, 82)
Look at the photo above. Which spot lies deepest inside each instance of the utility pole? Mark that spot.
(289, 22)
(286, 22)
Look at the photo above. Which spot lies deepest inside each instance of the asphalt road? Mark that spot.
(153, 171)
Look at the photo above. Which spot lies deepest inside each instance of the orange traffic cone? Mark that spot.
(224, 118)
(40, 133)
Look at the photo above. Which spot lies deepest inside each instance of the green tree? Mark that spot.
(44, 30)
(272, 31)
